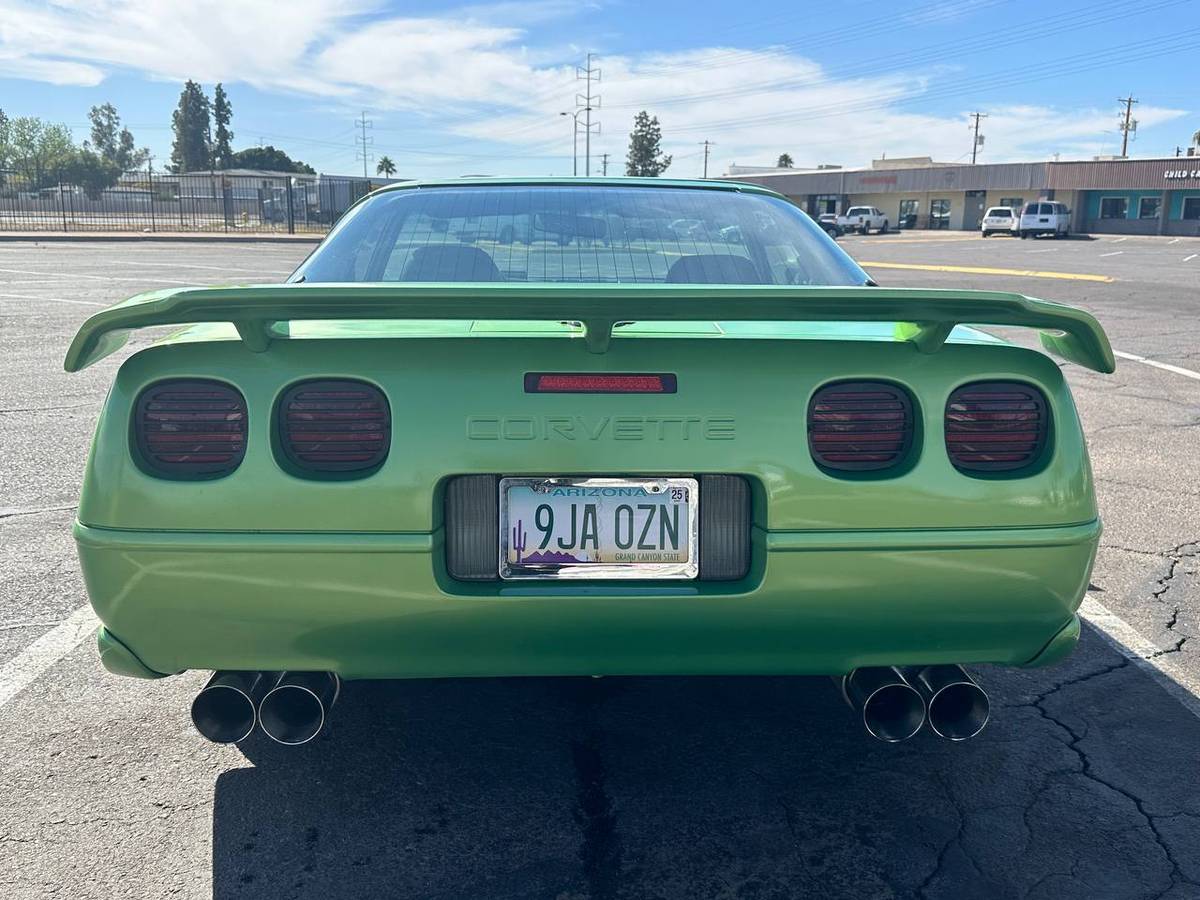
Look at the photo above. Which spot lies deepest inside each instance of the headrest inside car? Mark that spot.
(450, 262)
(713, 268)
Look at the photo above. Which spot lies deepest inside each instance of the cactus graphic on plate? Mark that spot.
(519, 539)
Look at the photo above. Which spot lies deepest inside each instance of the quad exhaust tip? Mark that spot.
(958, 707)
(226, 709)
(892, 710)
(294, 710)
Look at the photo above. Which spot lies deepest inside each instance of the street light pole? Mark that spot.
(574, 140)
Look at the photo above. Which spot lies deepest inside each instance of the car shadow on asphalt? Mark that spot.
(1084, 784)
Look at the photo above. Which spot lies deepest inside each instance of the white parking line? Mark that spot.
(1166, 367)
(1190, 258)
(1047, 250)
(1114, 253)
(1176, 241)
(1119, 240)
(25, 668)
(1128, 641)
(53, 299)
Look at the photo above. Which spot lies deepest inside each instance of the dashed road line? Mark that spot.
(1190, 258)
(1114, 253)
(981, 270)
(28, 665)
(1119, 240)
(1166, 367)
(1128, 641)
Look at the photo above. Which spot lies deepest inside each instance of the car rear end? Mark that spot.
(846, 502)
(1000, 220)
(676, 431)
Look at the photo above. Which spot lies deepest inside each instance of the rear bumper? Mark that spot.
(381, 606)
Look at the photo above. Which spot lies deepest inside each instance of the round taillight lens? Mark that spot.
(334, 426)
(996, 426)
(193, 428)
(860, 426)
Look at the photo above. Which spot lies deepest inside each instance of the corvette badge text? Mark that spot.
(601, 428)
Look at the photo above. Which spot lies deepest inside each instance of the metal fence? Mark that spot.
(152, 202)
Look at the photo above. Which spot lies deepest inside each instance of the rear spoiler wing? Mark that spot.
(924, 317)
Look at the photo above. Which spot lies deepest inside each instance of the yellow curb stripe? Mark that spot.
(982, 270)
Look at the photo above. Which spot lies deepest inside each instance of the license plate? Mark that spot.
(598, 528)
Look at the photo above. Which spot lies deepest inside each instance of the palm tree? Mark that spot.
(386, 167)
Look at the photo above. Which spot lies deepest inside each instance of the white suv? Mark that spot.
(862, 219)
(1001, 220)
(1045, 217)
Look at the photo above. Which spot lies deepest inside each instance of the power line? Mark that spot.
(604, 163)
(1127, 124)
(587, 73)
(364, 142)
(977, 141)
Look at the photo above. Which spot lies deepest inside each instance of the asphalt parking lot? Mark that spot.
(1085, 784)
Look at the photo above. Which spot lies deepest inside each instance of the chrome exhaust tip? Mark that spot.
(958, 707)
(294, 710)
(892, 710)
(226, 708)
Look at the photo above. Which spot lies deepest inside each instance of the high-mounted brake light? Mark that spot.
(860, 426)
(189, 429)
(599, 383)
(996, 426)
(334, 426)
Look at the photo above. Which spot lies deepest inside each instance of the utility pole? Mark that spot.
(363, 141)
(1127, 123)
(604, 163)
(976, 141)
(586, 102)
(706, 144)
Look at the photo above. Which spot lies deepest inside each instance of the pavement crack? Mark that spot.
(594, 812)
(10, 512)
(1088, 771)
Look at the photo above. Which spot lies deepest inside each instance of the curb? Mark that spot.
(159, 237)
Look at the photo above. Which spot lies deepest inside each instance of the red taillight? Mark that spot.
(334, 426)
(995, 426)
(190, 429)
(599, 383)
(860, 426)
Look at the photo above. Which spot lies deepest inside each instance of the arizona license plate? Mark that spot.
(598, 528)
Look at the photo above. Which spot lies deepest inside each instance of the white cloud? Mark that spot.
(476, 73)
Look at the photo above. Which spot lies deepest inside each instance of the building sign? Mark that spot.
(1171, 174)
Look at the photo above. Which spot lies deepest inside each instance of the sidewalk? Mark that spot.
(211, 236)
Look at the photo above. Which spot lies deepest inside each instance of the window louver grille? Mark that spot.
(995, 426)
(190, 428)
(334, 426)
(860, 426)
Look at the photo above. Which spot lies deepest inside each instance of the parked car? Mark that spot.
(863, 219)
(1045, 217)
(829, 222)
(407, 463)
(1000, 220)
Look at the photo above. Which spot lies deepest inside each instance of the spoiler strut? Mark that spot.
(923, 317)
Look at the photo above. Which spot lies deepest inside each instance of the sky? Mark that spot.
(453, 89)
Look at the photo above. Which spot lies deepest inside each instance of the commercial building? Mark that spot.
(1113, 196)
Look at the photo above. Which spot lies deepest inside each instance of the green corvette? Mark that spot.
(585, 427)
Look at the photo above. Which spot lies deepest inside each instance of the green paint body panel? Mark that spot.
(265, 570)
(261, 569)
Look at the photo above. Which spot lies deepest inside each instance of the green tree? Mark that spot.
(222, 113)
(38, 150)
(91, 171)
(191, 151)
(386, 167)
(3, 144)
(645, 156)
(113, 143)
(784, 162)
(269, 159)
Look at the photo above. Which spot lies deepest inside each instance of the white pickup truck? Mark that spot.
(863, 219)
